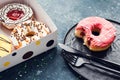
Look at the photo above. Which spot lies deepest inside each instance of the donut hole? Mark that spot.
(31, 33)
(96, 33)
(96, 29)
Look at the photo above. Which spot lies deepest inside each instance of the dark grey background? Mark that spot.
(64, 13)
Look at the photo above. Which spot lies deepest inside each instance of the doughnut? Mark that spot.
(28, 31)
(14, 13)
(5, 45)
(96, 32)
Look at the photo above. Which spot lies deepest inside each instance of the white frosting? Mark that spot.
(29, 31)
(27, 13)
(14, 40)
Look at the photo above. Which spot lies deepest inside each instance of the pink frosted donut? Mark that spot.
(97, 33)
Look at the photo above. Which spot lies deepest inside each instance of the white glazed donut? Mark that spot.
(14, 13)
(27, 32)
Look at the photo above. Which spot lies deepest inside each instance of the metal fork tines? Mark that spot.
(79, 62)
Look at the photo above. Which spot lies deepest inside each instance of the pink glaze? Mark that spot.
(107, 31)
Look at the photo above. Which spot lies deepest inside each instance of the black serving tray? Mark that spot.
(112, 54)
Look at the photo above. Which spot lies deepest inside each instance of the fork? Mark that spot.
(79, 62)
